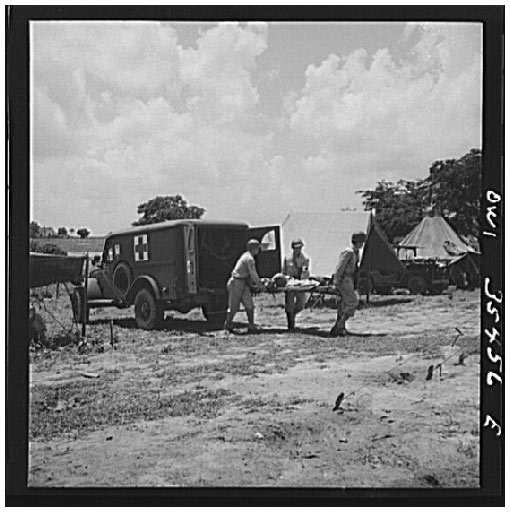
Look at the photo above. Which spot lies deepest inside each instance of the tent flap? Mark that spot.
(378, 255)
(45, 269)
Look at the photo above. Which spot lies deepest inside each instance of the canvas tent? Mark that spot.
(45, 269)
(433, 238)
(325, 235)
(380, 262)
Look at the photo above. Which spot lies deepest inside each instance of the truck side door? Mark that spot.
(269, 261)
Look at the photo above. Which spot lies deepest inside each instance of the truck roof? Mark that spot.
(173, 223)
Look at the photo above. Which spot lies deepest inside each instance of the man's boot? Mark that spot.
(339, 327)
(290, 320)
(228, 326)
(252, 327)
(347, 333)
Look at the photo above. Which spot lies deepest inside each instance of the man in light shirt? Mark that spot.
(345, 277)
(296, 266)
(243, 282)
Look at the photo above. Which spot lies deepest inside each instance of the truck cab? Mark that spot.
(176, 265)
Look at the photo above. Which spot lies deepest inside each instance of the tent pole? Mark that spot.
(369, 278)
(85, 304)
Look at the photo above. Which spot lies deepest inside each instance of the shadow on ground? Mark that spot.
(375, 301)
(169, 324)
(315, 331)
(386, 301)
(201, 327)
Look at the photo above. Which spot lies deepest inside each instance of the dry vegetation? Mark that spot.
(188, 405)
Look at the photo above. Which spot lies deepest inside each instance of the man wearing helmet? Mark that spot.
(344, 278)
(296, 266)
(243, 281)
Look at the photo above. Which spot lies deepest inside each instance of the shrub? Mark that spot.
(47, 248)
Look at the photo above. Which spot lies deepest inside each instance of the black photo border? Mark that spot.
(491, 491)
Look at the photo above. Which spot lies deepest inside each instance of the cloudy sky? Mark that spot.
(249, 121)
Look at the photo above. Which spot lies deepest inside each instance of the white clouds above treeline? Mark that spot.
(122, 112)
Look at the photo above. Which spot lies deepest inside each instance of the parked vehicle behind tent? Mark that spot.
(435, 252)
(381, 270)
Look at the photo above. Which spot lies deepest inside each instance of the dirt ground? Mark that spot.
(190, 406)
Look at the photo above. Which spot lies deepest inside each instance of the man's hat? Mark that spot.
(253, 243)
(297, 243)
(357, 237)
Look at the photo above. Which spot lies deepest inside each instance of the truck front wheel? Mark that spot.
(148, 312)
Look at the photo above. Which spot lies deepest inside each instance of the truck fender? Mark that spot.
(93, 289)
(144, 281)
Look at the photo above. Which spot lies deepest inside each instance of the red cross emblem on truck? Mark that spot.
(141, 248)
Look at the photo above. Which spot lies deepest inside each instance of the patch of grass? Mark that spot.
(470, 449)
(263, 362)
(270, 404)
(46, 358)
(255, 404)
(426, 343)
(81, 407)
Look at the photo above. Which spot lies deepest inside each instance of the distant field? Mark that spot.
(75, 245)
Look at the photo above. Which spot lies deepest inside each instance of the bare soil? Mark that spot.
(188, 405)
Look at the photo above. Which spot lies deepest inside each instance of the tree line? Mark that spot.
(37, 231)
(452, 189)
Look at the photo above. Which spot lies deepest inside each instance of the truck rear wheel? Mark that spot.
(148, 312)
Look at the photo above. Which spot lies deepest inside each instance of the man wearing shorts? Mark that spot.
(242, 283)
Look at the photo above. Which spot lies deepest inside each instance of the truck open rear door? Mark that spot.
(269, 259)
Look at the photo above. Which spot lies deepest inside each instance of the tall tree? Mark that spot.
(455, 188)
(47, 248)
(83, 232)
(35, 230)
(398, 206)
(163, 208)
(62, 232)
(452, 189)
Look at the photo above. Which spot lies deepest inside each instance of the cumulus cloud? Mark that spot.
(218, 72)
(397, 112)
(122, 112)
(124, 105)
(137, 58)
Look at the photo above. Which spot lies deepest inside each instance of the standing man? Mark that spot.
(297, 266)
(244, 280)
(344, 280)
